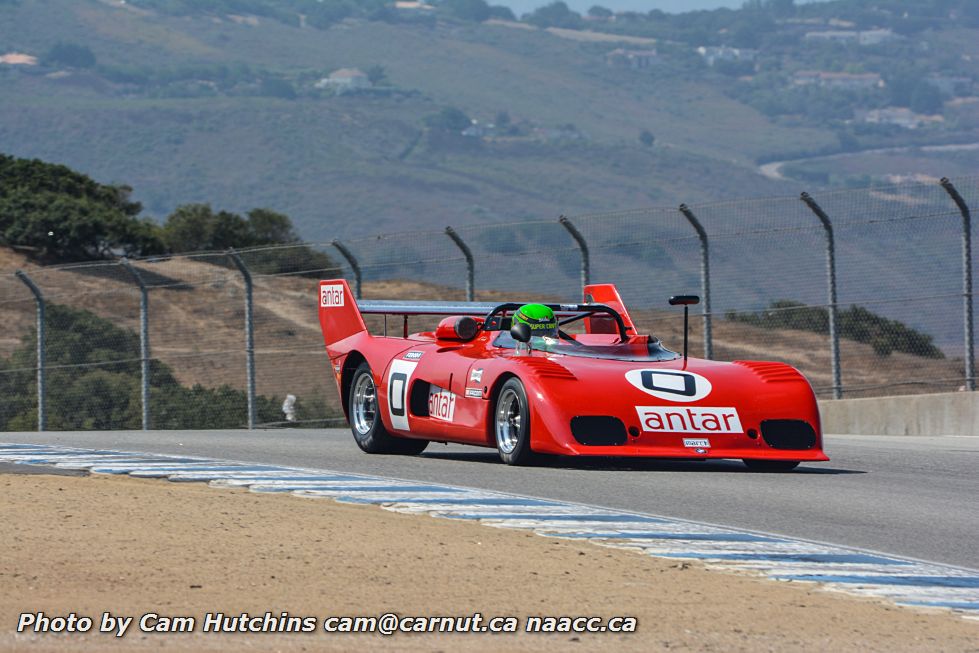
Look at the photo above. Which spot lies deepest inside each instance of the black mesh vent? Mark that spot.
(418, 399)
(598, 430)
(788, 434)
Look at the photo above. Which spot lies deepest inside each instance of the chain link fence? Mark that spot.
(866, 291)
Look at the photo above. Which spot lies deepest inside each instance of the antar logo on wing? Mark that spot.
(669, 385)
(441, 403)
(331, 296)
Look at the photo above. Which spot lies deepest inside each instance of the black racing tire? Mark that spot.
(756, 465)
(365, 419)
(511, 424)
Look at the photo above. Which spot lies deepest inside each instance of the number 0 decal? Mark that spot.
(399, 377)
(670, 385)
(396, 393)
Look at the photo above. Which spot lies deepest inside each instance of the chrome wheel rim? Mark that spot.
(364, 409)
(508, 421)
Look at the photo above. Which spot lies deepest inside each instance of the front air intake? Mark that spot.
(788, 434)
(598, 430)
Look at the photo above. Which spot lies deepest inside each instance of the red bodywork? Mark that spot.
(467, 375)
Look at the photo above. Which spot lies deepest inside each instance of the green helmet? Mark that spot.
(539, 318)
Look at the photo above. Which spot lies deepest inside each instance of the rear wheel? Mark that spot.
(511, 424)
(771, 465)
(365, 420)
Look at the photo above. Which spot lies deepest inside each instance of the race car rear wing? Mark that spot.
(396, 307)
(341, 315)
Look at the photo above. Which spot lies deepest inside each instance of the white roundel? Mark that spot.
(670, 385)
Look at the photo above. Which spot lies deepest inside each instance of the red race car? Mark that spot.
(485, 377)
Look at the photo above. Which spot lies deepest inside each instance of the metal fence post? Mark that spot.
(470, 265)
(834, 336)
(583, 246)
(352, 260)
(704, 278)
(42, 420)
(249, 334)
(144, 339)
(970, 369)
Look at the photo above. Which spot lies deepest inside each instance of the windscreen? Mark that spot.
(636, 351)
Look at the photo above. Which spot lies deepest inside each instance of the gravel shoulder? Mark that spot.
(98, 544)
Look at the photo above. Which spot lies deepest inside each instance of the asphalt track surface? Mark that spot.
(910, 496)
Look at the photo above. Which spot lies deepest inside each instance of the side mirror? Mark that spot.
(520, 332)
(684, 300)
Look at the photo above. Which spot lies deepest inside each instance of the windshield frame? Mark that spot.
(500, 318)
(655, 351)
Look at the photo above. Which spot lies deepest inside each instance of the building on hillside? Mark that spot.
(900, 116)
(839, 81)
(412, 7)
(877, 36)
(713, 54)
(563, 133)
(635, 59)
(345, 79)
(18, 59)
(864, 37)
(479, 129)
(832, 36)
(800, 21)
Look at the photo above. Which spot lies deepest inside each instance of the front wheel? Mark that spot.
(511, 424)
(771, 465)
(365, 419)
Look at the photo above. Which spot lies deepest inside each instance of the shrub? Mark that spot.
(854, 323)
(101, 389)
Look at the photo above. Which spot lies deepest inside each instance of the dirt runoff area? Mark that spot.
(129, 547)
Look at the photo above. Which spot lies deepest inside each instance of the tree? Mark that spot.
(473, 10)
(502, 119)
(323, 14)
(646, 138)
(901, 87)
(449, 119)
(71, 55)
(748, 31)
(781, 7)
(376, 74)
(277, 87)
(196, 227)
(600, 12)
(926, 99)
(59, 215)
(855, 323)
(556, 14)
(94, 383)
(269, 227)
(501, 13)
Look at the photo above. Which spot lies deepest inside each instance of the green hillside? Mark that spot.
(188, 102)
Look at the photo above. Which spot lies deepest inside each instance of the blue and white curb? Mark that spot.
(901, 580)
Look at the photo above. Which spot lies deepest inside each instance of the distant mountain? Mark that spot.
(364, 117)
(673, 6)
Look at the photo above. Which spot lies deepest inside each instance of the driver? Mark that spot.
(539, 318)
